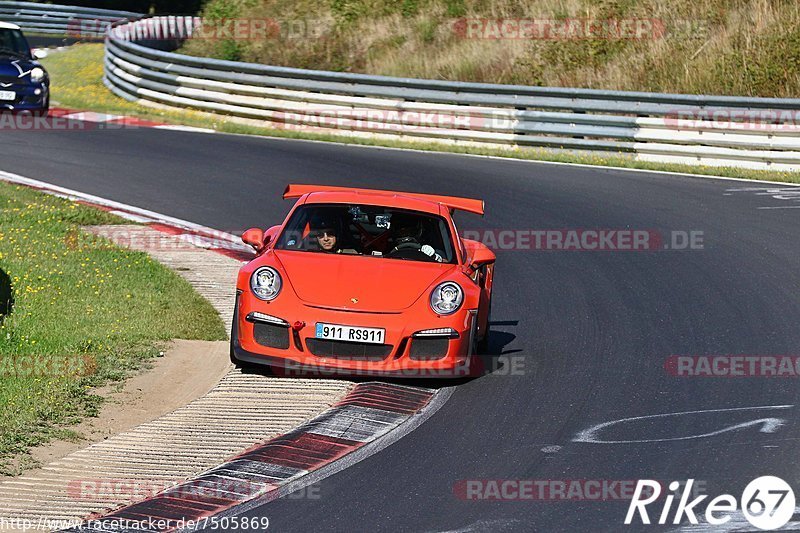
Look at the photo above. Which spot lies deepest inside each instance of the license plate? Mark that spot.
(8, 95)
(337, 332)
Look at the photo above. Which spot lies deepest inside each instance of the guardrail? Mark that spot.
(759, 133)
(62, 20)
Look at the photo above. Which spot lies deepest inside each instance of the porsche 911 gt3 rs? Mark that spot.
(364, 281)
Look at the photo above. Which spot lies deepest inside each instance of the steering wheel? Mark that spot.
(406, 245)
(409, 250)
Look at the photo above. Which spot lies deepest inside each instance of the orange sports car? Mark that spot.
(360, 281)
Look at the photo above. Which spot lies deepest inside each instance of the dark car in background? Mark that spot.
(24, 84)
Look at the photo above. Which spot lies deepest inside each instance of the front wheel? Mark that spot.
(234, 336)
(483, 344)
(243, 365)
(44, 110)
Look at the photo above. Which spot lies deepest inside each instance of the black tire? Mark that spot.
(243, 365)
(234, 336)
(236, 362)
(44, 111)
(483, 344)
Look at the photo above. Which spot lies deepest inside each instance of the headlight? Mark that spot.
(37, 74)
(266, 283)
(446, 298)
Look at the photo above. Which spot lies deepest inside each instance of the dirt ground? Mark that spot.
(188, 370)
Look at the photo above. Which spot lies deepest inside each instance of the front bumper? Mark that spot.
(297, 351)
(26, 97)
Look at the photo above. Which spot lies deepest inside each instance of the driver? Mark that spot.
(408, 235)
(325, 236)
(407, 230)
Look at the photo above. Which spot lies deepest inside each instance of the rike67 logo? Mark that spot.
(767, 503)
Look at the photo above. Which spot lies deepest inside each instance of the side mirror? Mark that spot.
(254, 237)
(270, 234)
(481, 256)
(39, 53)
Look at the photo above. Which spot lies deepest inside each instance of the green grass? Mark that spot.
(77, 82)
(736, 47)
(85, 313)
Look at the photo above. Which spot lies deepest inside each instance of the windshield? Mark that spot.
(13, 43)
(369, 230)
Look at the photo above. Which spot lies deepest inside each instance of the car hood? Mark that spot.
(9, 70)
(376, 284)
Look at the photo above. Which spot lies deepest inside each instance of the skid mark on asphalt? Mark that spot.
(511, 524)
(765, 425)
(789, 196)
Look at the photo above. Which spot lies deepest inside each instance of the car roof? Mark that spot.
(440, 203)
(384, 199)
(8, 26)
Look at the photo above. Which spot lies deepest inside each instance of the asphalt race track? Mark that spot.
(588, 332)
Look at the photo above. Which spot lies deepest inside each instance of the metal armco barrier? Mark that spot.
(759, 133)
(62, 20)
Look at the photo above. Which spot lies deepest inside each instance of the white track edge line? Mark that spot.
(158, 217)
(513, 159)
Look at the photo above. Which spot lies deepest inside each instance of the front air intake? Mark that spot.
(348, 350)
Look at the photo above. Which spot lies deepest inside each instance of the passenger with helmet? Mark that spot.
(407, 234)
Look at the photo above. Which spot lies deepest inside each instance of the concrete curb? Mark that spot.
(256, 476)
(241, 411)
(73, 118)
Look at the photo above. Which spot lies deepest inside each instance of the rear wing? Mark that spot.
(471, 205)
